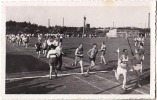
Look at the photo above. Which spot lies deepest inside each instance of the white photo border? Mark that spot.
(4, 4)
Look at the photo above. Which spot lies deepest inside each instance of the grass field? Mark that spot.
(28, 74)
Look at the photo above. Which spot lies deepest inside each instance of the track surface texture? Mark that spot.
(26, 74)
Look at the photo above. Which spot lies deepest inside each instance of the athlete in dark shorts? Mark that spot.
(44, 47)
(79, 57)
(92, 56)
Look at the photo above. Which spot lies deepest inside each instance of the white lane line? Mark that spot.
(11, 79)
(118, 83)
(27, 72)
(100, 89)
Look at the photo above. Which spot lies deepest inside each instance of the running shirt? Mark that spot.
(59, 50)
(51, 54)
(141, 50)
(79, 52)
(25, 39)
(124, 59)
(13, 39)
(93, 52)
(122, 62)
(138, 59)
(103, 49)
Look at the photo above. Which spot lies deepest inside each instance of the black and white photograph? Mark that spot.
(80, 50)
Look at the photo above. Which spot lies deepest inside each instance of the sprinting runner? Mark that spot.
(103, 51)
(79, 57)
(13, 39)
(141, 52)
(137, 66)
(38, 48)
(122, 67)
(52, 60)
(44, 47)
(92, 56)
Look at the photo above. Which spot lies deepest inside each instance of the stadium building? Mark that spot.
(122, 32)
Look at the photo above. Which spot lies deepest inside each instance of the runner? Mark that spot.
(44, 47)
(59, 56)
(141, 51)
(122, 67)
(61, 38)
(49, 43)
(26, 41)
(56, 42)
(136, 41)
(142, 39)
(103, 51)
(13, 39)
(52, 60)
(137, 66)
(79, 57)
(19, 40)
(92, 56)
(38, 48)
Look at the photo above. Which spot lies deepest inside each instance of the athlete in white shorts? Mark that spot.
(141, 52)
(51, 55)
(137, 66)
(103, 51)
(122, 67)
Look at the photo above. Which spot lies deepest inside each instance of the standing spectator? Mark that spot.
(44, 47)
(59, 56)
(38, 48)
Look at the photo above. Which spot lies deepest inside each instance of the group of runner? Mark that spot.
(22, 39)
(53, 50)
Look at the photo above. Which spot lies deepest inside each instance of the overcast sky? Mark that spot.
(136, 16)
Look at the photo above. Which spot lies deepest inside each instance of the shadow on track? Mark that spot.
(32, 86)
(24, 63)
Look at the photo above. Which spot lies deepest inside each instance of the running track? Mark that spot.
(70, 81)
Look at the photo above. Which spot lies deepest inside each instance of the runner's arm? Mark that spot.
(88, 53)
(48, 55)
(76, 51)
(120, 60)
